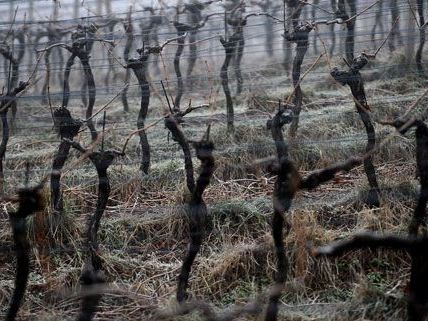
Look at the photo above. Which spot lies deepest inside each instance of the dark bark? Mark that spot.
(282, 198)
(196, 23)
(287, 55)
(89, 279)
(67, 127)
(92, 271)
(3, 145)
(7, 101)
(315, 36)
(181, 30)
(419, 214)
(66, 85)
(111, 73)
(45, 99)
(237, 21)
(103, 195)
(288, 182)
(354, 80)
(83, 92)
(332, 27)
(91, 96)
(129, 31)
(30, 201)
(419, 52)
(295, 32)
(193, 55)
(20, 52)
(378, 24)
(13, 58)
(229, 48)
(395, 37)
(196, 210)
(197, 213)
(416, 247)
(148, 29)
(196, 20)
(350, 25)
(275, 126)
(83, 39)
(172, 124)
(57, 165)
(54, 35)
(237, 62)
(139, 66)
(299, 35)
(101, 161)
(82, 43)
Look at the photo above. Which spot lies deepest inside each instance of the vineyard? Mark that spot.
(213, 160)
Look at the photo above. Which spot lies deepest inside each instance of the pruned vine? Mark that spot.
(352, 78)
(196, 207)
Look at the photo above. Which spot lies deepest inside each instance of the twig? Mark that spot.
(383, 42)
(106, 105)
(139, 130)
(362, 11)
(303, 76)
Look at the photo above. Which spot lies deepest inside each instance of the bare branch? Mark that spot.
(364, 240)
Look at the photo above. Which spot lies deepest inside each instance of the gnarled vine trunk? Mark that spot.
(354, 80)
(92, 271)
(350, 25)
(197, 213)
(197, 209)
(419, 52)
(181, 30)
(67, 127)
(139, 66)
(288, 182)
(7, 101)
(128, 45)
(240, 45)
(299, 35)
(229, 48)
(30, 201)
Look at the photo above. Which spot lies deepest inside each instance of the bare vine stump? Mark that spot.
(7, 101)
(229, 48)
(67, 127)
(354, 80)
(92, 272)
(288, 183)
(30, 201)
